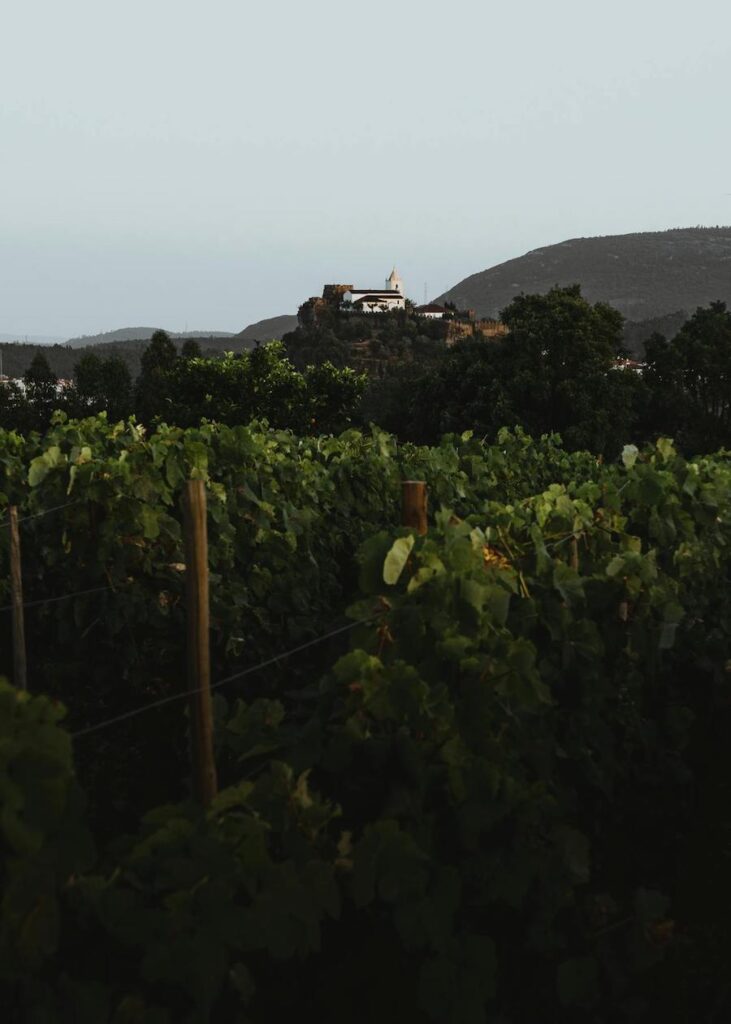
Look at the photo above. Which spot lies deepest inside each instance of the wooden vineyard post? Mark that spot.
(16, 599)
(413, 505)
(198, 650)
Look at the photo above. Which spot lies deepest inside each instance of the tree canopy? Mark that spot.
(262, 383)
(689, 380)
(552, 373)
(556, 371)
(103, 385)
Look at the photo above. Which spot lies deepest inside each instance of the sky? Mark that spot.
(203, 166)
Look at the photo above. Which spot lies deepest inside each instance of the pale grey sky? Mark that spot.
(174, 162)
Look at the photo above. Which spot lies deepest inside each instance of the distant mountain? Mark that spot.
(268, 330)
(264, 330)
(139, 334)
(130, 342)
(645, 276)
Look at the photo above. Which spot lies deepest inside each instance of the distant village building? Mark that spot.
(432, 311)
(628, 364)
(375, 300)
(368, 301)
(61, 384)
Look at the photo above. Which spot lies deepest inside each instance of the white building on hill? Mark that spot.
(432, 311)
(376, 300)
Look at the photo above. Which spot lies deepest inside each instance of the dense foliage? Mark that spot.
(555, 371)
(380, 339)
(185, 387)
(63, 358)
(262, 383)
(688, 379)
(481, 783)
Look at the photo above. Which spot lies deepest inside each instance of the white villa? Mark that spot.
(374, 300)
(432, 311)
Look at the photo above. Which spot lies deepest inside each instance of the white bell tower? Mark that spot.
(394, 282)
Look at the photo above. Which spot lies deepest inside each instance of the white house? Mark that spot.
(432, 311)
(377, 300)
(628, 364)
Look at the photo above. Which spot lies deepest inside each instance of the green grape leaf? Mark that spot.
(629, 455)
(396, 559)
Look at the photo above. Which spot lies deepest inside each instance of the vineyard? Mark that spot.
(455, 770)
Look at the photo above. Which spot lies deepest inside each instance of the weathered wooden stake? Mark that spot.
(199, 658)
(16, 599)
(413, 505)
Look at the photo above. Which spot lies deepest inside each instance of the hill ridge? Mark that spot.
(138, 334)
(645, 274)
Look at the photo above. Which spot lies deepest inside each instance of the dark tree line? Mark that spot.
(100, 385)
(17, 356)
(185, 388)
(687, 381)
(556, 372)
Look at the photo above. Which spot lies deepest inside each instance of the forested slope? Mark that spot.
(643, 275)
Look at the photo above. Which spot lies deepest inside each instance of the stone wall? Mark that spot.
(333, 293)
(307, 314)
(456, 330)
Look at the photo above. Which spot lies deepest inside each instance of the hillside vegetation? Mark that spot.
(130, 342)
(17, 356)
(643, 275)
(555, 371)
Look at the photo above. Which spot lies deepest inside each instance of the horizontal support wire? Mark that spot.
(99, 590)
(222, 682)
(187, 693)
(46, 512)
(61, 597)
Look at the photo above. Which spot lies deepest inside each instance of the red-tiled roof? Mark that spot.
(628, 364)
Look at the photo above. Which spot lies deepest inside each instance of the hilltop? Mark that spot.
(130, 343)
(263, 330)
(272, 329)
(140, 334)
(646, 276)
